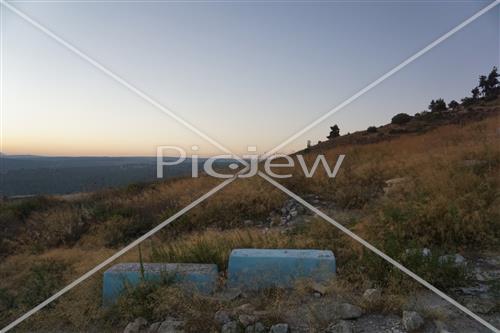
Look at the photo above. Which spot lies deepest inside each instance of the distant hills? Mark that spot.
(31, 174)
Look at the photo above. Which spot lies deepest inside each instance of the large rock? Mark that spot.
(412, 321)
(348, 311)
(137, 326)
(199, 277)
(254, 269)
(279, 328)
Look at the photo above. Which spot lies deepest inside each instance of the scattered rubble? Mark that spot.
(343, 326)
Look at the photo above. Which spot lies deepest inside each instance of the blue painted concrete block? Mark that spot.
(265, 268)
(199, 277)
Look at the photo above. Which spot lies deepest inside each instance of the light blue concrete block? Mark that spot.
(199, 277)
(254, 269)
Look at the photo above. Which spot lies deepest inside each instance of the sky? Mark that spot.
(245, 73)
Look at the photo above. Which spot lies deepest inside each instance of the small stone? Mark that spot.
(245, 308)
(261, 313)
(136, 326)
(412, 321)
(456, 259)
(319, 288)
(349, 311)
(279, 328)
(317, 295)
(341, 327)
(372, 295)
(256, 328)
(482, 306)
(426, 252)
(231, 327)
(222, 317)
(246, 320)
(248, 223)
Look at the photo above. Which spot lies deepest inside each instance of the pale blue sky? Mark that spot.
(245, 73)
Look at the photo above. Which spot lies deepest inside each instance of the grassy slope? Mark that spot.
(446, 206)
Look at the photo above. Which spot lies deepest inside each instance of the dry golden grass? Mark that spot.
(447, 206)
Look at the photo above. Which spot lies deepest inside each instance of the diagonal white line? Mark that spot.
(119, 79)
(384, 77)
(118, 254)
(378, 252)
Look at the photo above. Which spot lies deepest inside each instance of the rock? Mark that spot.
(136, 326)
(256, 328)
(341, 327)
(246, 308)
(230, 294)
(279, 328)
(319, 288)
(349, 311)
(222, 317)
(317, 295)
(372, 295)
(482, 306)
(261, 313)
(231, 327)
(412, 321)
(425, 252)
(456, 259)
(171, 325)
(440, 327)
(246, 320)
(154, 327)
(395, 183)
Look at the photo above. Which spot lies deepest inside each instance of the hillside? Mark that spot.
(443, 200)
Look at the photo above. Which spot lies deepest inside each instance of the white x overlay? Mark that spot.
(223, 184)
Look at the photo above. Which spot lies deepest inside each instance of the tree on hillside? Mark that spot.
(401, 118)
(334, 132)
(453, 105)
(475, 93)
(489, 84)
(437, 105)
